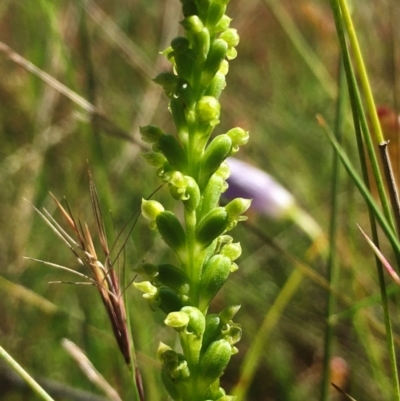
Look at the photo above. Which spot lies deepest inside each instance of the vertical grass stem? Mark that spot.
(332, 275)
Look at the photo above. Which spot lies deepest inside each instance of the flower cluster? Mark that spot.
(192, 163)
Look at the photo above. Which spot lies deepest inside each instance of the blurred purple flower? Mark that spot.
(269, 197)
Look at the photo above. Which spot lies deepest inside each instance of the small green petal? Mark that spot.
(151, 209)
(177, 320)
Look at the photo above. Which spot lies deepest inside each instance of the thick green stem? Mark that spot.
(193, 268)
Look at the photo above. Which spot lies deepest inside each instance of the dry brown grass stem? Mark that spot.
(100, 274)
(89, 370)
(109, 127)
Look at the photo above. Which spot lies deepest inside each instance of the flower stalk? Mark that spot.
(192, 163)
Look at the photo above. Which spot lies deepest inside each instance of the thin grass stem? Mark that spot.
(333, 272)
(38, 390)
(358, 110)
(342, 16)
(394, 242)
(302, 47)
(359, 62)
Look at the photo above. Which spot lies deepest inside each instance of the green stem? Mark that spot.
(359, 61)
(358, 109)
(332, 263)
(341, 12)
(386, 227)
(25, 375)
(392, 238)
(303, 48)
(193, 267)
(133, 368)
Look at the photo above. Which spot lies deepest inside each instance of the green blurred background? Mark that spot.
(108, 52)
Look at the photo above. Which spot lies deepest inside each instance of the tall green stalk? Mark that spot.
(193, 165)
(343, 17)
(391, 236)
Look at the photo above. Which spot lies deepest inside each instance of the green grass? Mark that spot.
(47, 141)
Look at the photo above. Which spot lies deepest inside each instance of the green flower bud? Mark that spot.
(215, 57)
(227, 398)
(208, 110)
(214, 361)
(177, 183)
(178, 114)
(225, 239)
(211, 194)
(149, 290)
(151, 133)
(239, 137)
(223, 24)
(212, 331)
(164, 171)
(231, 53)
(180, 45)
(151, 209)
(175, 365)
(224, 68)
(192, 24)
(162, 348)
(216, 86)
(214, 275)
(173, 151)
(168, 81)
(184, 188)
(237, 207)
(155, 159)
(201, 45)
(232, 251)
(223, 170)
(216, 152)
(167, 300)
(197, 321)
(234, 267)
(215, 391)
(171, 230)
(232, 332)
(168, 52)
(228, 313)
(215, 12)
(173, 277)
(231, 37)
(183, 56)
(193, 192)
(211, 226)
(177, 320)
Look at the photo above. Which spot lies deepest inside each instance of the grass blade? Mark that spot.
(38, 390)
